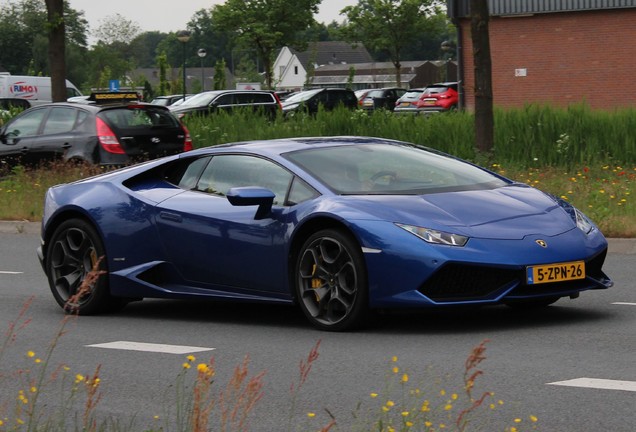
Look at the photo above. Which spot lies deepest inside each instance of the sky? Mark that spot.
(167, 16)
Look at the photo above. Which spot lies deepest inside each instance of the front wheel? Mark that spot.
(331, 281)
(76, 268)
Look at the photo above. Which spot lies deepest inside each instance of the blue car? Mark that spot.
(340, 226)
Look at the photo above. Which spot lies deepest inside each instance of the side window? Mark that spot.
(300, 191)
(60, 120)
(223, 100)
(227, 171)
(26, 125)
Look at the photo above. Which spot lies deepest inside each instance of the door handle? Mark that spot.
(170, 216)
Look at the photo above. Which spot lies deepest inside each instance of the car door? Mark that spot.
(18, 135)
(57, 135)
(215, 244)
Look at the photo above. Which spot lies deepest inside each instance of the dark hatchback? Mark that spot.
(215, 101)
(329, 99)
(111, 133)
(382, 98)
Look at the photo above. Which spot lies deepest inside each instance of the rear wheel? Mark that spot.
(331, 281)
(74, 260)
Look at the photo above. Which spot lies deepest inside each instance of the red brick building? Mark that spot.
(556, 53)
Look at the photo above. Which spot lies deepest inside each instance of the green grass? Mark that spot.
(585, 156)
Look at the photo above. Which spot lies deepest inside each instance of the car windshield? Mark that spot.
(302, 96)
(201, 99)
(433, 90)
(391, 169)
(412, 94)
(139, 117)
(375, 94)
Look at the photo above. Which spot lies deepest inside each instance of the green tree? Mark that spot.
(116, 28)
(25, 30)
(219, 75)
(388, 25)
(266, 26)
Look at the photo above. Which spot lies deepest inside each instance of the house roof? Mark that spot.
(461, 8)
(332, 52)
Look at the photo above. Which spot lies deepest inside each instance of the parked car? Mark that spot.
(435, 98)
(7, 103)
(309, 101)
(167, 100)
(105, 131)
(360, 94)
(383, 98)
(338, 226)
(211, 102)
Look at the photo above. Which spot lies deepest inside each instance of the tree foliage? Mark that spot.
(116, 28)
(25, 37)
(266, 26)
(390, 26)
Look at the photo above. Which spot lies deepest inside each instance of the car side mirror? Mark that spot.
(250, 196)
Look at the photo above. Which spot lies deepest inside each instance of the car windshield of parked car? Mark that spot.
(201, 99)
(391, 169)
(141, 117)
(433, 90)
(302, 96)
(412, 94)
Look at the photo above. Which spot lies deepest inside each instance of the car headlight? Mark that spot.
(434, 236)
(582, 222)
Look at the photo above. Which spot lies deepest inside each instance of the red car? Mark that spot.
(437, 97)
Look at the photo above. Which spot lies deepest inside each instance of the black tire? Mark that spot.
(74, 249)
(331, 281)
(532, 303)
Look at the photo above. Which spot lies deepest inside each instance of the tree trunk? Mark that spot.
(57, 58)
(484, 119)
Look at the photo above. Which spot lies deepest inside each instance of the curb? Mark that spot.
(626, 246)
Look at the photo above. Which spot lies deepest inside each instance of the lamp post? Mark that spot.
(448, 47)
(184, 37)
(201, 53)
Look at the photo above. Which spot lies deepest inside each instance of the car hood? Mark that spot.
(510, 212)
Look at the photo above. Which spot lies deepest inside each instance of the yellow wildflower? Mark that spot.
(405, 413)
(311, 415)
(394, 359)
(191, 358)
(405, 378)
(186, 365)
(374, 395)
(533, 418)
(30, 354)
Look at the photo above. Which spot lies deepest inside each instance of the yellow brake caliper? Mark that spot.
(315, 282)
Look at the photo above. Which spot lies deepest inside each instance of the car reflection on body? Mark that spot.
(340, 226)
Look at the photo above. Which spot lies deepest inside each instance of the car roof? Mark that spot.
(276, 147)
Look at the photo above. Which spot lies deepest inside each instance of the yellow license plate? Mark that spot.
(555, 272)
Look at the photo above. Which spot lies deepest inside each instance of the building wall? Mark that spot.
(559, 59)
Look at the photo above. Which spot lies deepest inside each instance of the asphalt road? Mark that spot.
(587, 345)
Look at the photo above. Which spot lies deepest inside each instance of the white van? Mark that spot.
(35, 89)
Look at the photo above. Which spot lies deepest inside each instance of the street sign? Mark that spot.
(113, 85)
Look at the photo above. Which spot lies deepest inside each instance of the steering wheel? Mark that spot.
(391, 175)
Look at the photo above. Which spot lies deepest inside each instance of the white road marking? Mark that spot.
(10, 272)
(624, 303)
(150, 347)
(596, 383)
